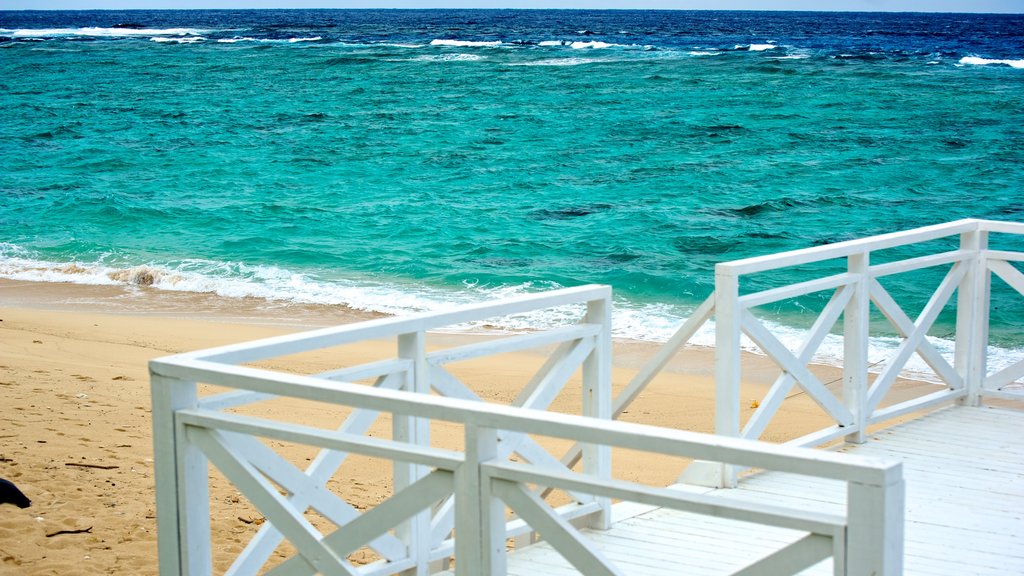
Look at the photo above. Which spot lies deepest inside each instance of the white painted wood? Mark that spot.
(1004, 255)
(302, 489)
(728, 327)
(921, 403)
(856, 333)
(976, 288)
(1002, 226)
(623, 434)
(661, 358)
(377, 521)
(759, 513)
(415, 532)
(1008, 273)
(844, 249)
(494, 432)
(393, 326)
(798, 289)
(875, 533)
(1017, 395)
(182, 500)
(919, 263)
(514, 344)
(912, 341)
(906, 327)
(369, 370)
(323, 466)
(784, 383)
(801, 554)
(778, 352)
(819, 437)
(274, 506)
(597, 403)
(558, 532)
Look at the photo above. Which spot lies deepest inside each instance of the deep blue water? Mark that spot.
(395, 160)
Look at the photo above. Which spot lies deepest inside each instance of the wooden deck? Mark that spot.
(964, 472)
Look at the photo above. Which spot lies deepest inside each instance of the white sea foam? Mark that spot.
(464, 43)
(185, 40)
(643, 322)
(560, 62)
(234, 40)
(548, 43)
(449, 58)
(976, 61)
(756, 47)
(703, 53)
(591, 45)
(101, 32)
(308, 39)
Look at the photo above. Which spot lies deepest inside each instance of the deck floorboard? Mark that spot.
(964, 472)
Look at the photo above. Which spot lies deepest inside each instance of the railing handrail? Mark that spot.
(620, 434)
(397, 325)
(871, 244)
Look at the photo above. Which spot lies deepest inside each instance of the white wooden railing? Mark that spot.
(859, 403)
(451, 504)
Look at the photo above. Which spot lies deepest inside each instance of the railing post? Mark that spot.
(479, 516)
(414, 533)
(182, 483)
(728, 328)
(972, 316)
(874, 532)
(856, 331)
(597, 401)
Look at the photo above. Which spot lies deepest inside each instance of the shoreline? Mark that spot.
(73, 372)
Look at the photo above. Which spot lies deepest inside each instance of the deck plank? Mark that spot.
(964, 471)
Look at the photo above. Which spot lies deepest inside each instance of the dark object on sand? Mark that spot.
(9, 494)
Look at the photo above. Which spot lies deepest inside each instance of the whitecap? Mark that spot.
(591, 45)
(560, 62)
(185, 40)
(236, 39)
(103, 32)
(703, 53)
(547, 43)
(464, 43)
(976, 61)
(309, 39)
(450, 58)
(761, 47)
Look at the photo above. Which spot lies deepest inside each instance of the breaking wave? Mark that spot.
(632, 321)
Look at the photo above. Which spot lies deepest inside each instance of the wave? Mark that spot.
(561, 62)
(185, 40)
(306, 39)
(634, 321)
(466, 43)
(449, 58)
(755, 47)
(100, 32)
(976, 61)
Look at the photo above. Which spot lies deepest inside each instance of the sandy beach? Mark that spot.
(76, 429)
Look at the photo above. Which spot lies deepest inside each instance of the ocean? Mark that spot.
(405, 160)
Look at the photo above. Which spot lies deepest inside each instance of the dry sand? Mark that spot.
(75, 430)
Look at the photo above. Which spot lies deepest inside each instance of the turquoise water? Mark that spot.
(407, 160)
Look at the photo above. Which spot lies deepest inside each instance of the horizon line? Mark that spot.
(523, 9)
